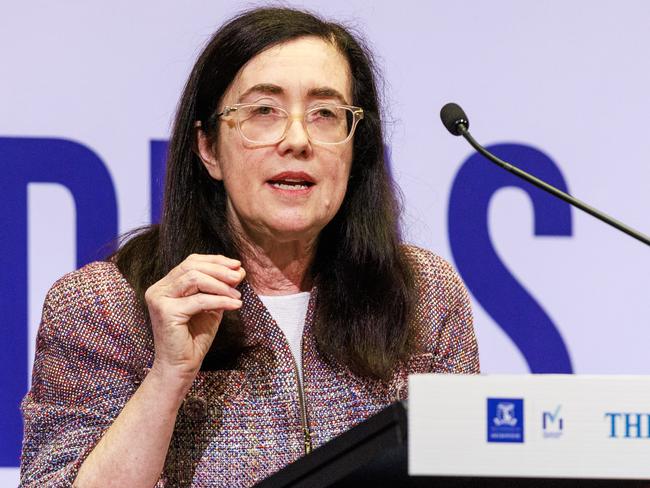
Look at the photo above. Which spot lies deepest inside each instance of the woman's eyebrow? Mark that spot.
(271, 89)
(327, 92)
(263, 88)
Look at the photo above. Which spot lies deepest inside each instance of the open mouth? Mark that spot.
(291, 184)
(292, 181)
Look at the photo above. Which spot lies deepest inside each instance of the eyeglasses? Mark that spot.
(268, 124)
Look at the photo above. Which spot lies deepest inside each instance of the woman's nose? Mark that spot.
(296, 139)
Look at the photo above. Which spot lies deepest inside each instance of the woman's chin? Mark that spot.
(288, 230)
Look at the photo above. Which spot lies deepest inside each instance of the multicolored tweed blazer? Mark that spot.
(236, 426)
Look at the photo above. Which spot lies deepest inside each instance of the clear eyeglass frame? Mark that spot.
(229, 110)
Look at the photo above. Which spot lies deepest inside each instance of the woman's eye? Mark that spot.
(326, 113)
(263, 110)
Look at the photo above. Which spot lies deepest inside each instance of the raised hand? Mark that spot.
(186, 307)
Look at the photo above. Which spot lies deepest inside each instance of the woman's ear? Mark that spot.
(205, 151)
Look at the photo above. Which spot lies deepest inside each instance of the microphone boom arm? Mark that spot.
(462, 130)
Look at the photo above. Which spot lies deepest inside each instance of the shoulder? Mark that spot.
(435, 278)
(91, 301)
(424, 260)
(100, 278)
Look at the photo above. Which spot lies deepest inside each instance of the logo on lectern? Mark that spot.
(552, 423)
(505, 420)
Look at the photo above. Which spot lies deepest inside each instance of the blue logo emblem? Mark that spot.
(505, 420)
(552, 423)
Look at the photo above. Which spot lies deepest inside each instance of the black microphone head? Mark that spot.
(452, 115)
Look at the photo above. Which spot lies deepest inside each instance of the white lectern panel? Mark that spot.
(556, 426)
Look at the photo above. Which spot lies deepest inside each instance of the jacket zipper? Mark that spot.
(303, 407)
(305, 423)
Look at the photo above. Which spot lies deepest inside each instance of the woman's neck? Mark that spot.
(277, 268)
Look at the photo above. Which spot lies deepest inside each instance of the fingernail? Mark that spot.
(236, 293)
(235, 275)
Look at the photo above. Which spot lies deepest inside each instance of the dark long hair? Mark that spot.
(365, 289)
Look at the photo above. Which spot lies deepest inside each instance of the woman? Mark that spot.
(273, 307)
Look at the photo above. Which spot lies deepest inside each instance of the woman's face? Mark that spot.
(265, 196)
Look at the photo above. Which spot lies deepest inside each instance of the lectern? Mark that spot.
(493, 431)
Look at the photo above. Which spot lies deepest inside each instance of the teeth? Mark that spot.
(293, 186)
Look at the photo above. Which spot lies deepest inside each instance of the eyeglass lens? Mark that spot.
(266, 123)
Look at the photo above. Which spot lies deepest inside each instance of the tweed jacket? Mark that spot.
(237, 426)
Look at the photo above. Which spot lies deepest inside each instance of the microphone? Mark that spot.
(452, 116)
(455, 120)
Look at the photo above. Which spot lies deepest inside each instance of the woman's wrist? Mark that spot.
(171, 383)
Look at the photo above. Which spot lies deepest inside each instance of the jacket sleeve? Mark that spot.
(89, 360)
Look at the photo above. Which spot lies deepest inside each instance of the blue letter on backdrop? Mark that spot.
(76, 167)
(507, 302)
(157, 165)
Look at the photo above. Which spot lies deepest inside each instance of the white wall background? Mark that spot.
(570, 78)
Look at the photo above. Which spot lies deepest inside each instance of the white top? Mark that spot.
(289, 312)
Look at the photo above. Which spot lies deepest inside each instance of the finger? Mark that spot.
(195, 281)
(203, 302)
(215, 259)
(178, 311)
(231, 276)
(221, 271)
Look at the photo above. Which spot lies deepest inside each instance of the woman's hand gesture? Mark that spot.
(186, 308)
